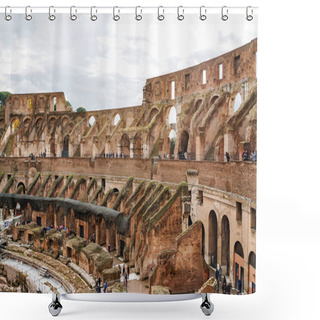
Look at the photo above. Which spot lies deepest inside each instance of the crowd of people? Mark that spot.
(245, 156)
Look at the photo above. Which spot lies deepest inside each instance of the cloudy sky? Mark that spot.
(104, 64)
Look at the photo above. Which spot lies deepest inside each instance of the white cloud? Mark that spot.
(105, 64)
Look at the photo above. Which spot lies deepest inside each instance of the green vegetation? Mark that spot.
(81, 109)
(3, 98)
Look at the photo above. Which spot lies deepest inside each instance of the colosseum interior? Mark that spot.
(84, 194)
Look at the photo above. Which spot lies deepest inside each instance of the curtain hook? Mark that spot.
(138, 16)
(203, 13)
(224, 13)
(180, 15)
(93, 17)
(160, 16)
(249, 16)
(116, 17)
(7, 16)
(52, 16)
(28, 15)
(73, 17)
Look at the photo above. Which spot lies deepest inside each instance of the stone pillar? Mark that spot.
(146, 151)
(107, 147)
(193, 181)
(97, 232)
(132, 148)
(94, 147)
(55, 219)
(200, 144)
(228, 143)
(1, 214)
(118, 149)
(11, 213)
(65, 220)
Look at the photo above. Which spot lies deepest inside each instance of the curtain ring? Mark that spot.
(28, 15)
(73, 17)
(93, 17)
(203, 13)
(249, 17)
(138, 16)
(7, 16)
(116, 17)
(52, 16)
(180, 15)
(160, 16)
(224, 13)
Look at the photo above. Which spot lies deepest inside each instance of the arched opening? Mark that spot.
(138, 146)
(14, 125)
(237, 102)
(252, 272)
(172, 143)
(225, 245)
(213, 238)
(183, 145)
(238, 267)
(92, 120)
(23, 188)
(116, 119)
(115, 190)
(65, 149)
(125, 145)
(173, 115)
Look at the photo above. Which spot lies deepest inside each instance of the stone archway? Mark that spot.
(125, 145)
(252, 272)
(213, 239)
(183, 145)
(238, 262)
(65, 150)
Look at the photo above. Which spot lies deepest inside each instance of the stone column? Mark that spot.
(146, 151)
(107, 147)
(200, 144)
(228, 143)
(193, 181)
(132, 148)
(118, 149)
(97, 232)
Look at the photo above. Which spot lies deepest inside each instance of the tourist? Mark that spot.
(227, 156)
(105, 287)
(254, 156)
(123, 268)
(128, 270)
(108, 247)
(126, 280)
(217, 274)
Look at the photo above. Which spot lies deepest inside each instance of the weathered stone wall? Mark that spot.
(183, 265)
(235, 177)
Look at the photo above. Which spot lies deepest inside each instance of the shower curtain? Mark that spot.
(128, 150)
